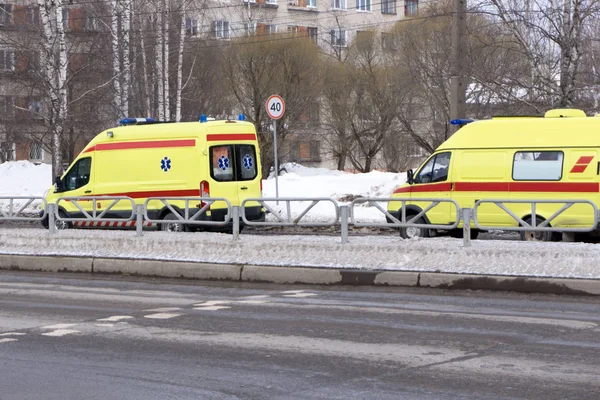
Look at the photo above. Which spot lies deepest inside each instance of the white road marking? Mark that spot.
(6, 340)
(252, 302)
(260, 296)
(292, 291)
(58, 326)
(211, 308)
(115, 318)
(163, 315)
(105, 325)
(13, 334)
(212, 303)
(164, 309)
(60, 332)
(298, 295)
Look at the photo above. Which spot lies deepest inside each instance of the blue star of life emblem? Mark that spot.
(223, 163)
(165, 164)
(247, 161)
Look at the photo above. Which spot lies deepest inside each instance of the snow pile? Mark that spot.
(24, 178)
(498, 257)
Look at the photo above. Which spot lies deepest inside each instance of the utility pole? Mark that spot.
(458, 82)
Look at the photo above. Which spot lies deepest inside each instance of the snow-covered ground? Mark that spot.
(570, 260)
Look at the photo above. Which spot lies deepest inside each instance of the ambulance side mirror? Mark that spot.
(410, 177)
(59, 185)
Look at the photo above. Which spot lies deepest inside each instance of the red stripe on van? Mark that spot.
(585, 160)
(552, 187)
(156, 193)
(154, 144)
(230, 136)
(577, 169)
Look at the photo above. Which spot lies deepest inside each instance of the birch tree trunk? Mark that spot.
(114, 26)
(159, 51)
(62, 87)
(125, 48)
(146, 77)
(180, 64)
(166, 37)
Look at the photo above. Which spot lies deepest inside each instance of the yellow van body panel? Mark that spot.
(167, 160)
(526, 158)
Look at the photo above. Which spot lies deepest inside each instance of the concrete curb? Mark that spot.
(297, 275)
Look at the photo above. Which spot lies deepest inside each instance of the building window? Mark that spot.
(250, 28)
(311, 3)
(338, 37)
(270, 29)
(388, 6)
(8, 151)
(222, 29)
(411, 7)
(90, 23)
(305, 150)
(271, 1)
(5, 14)
(7, 60)
(292, 30)
(537, 166)
(7, 106)
(36, 151)
(191, 27)
(35, 108)
(388, 42)
(33, 16)
(313, 34)
(65, 18)
(363, 5)
(338, 4)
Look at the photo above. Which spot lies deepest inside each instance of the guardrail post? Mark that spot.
(466, 217)
(236, 222)
(51, 218)
(344, 223)
(139, 219)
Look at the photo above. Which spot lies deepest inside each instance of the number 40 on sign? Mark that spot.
(275, 106)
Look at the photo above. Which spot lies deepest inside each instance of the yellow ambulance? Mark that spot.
(142, 158)
(555, 157)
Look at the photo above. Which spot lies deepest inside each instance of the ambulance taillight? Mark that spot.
(204, 191)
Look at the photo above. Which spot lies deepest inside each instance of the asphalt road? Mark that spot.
(82, 337)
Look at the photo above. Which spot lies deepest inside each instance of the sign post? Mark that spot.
(275, 108)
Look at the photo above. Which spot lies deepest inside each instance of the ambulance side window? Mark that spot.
(537, 166)
(246, 162)
(222, 163)
(79, 175)
(435, 170)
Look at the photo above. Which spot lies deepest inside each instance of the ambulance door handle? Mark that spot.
(244, 188)
(88, 191)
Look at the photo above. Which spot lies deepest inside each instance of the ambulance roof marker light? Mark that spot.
(203, 118)
(241, 117)
(461, 121)
(135, 121)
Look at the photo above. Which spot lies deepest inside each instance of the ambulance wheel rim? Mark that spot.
(61, 224)
(413, 232)
(174, 226)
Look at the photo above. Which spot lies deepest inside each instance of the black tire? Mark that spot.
(530, 236)
(175, 226)
(62, 225)
(458, 233)
(409, 233)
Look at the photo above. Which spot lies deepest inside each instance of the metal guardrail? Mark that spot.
(186, 218)
(289, 220)
(402, 222)
(544, 226)
(14, 211)
(97, 213)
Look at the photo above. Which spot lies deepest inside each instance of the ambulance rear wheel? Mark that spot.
(174, 226)
(413, 232)
(62, 224)
(532, 236)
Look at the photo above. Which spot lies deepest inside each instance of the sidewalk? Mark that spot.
(439, 262)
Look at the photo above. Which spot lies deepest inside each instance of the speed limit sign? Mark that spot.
(275, 106)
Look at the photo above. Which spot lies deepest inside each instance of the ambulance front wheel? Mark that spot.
(413, 232)
(174, 226)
